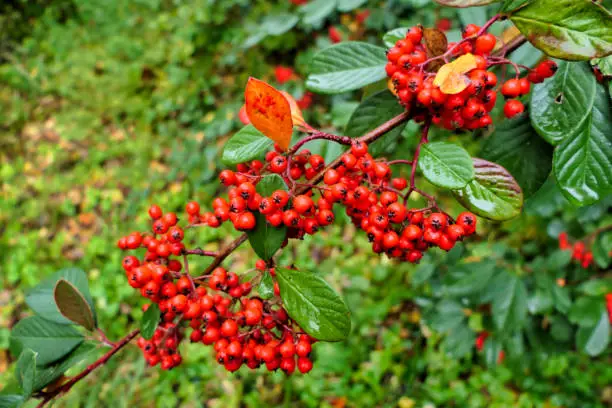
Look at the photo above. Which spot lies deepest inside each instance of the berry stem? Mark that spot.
(417, 152)
(99, 362)
(594, 234)
(400, 161)
(199, 251)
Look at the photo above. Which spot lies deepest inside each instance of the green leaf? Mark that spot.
(493, 194)
(465, 3)
(264, 238)
(314, 305)
(371, 113)
(448, 316)
(50, 340)
(604, 65)
(72, 304)
(25, 371)
(349, 5)
(540, 301)
(459, 341)
(562, 103)
(513, 5)
(492, 347)
(561, 298)
(509, 302)
(316, 11)
(149, 321)
(517, 147)
(345, 67)
(446, 165)
(422, 273)
(594, 340)
(48, 374)
(583, 162)
(596, 287)
(42, 301)
(566, 29)
(247, 144)
(476, 279)
(393, 36)
(11, 400)
(586, 311)
(278, 24)
(266, 286)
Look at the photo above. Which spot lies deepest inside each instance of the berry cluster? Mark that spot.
(363, 185)
(468, 109)
(579, 252)
(216, 307)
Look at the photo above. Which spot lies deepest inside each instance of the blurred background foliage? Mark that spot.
(107, 106)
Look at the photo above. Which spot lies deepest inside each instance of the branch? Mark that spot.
(64, 388)
(199, 251)
(224, 254)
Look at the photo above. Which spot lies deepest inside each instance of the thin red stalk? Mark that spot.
(408, 162)
(64, 388)
(199, 251)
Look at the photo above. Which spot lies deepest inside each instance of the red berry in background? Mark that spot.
(283, 74)
(444, 24)
(513, 107)
(334, 35)
(192, 208)
(305, 101)
(546, 69)
(243, 116)
(362, 16)
(480, 340)
(299, 2)
(609, 305)
(563, 242)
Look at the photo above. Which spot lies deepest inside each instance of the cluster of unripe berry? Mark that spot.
(580, 254)
(216, 307)
(468, 109)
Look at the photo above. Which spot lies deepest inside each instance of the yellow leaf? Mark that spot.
(269, 111)
(451, 78)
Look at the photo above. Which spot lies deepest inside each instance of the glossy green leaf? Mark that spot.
(520, 150)
(264, 238)
(247, 144)
(266, 286)
(594, 340)
(562, 299)
(373, 112)
(11, 400)
(562, 103)
(465, 3)
(278, 24)
(513, 5)
(493, 194)
(586, 311)
(50, 340)
(149, 321)
(475, 279)
(448, 316)
(459, 342)
(25, 371)
(72, 304)
(349, 5)
(345, 67)
(604, 65)
(583, 162)
(509, 302)
(314, 305)
(422, 273)
(566, 29)
(596, 287)
(41, 299)
(314, 12)
(446, 165)
(393, 36)
(50, 373)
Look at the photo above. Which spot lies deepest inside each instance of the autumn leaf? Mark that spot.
(296, 112)
(436, 44)
(269, 111)
(451, 78)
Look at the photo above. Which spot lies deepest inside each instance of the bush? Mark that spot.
(114, 108)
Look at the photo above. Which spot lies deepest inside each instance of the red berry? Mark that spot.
(513, 107)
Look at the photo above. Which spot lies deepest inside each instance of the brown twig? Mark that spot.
(64, 388)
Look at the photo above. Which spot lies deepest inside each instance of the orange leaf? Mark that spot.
(451, 77)
(296, 112)
(269, 111)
